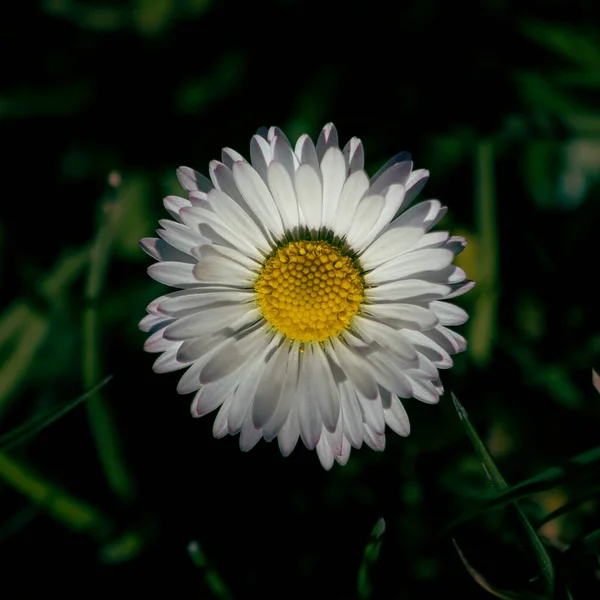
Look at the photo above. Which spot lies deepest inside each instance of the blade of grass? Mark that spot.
(488, 587)
(370, 556)
(482, 327)
(499, 484)
(16, 366)
(76, 514)
(24, 432)
(213, 580)
(581, 469)
(101, 421)
(566, 508)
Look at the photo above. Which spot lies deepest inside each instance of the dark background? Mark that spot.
(498, 99)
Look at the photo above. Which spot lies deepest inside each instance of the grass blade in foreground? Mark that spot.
(488, 587)
(364, 584)
(500, 485)
(24, 432)
(211, 577)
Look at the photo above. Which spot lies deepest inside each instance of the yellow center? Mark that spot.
(309, 291)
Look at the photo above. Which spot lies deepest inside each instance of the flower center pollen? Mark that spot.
(309, 291)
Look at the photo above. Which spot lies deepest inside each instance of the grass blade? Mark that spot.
(24, 432)
(370, 556)
(488, 587)
(213, 580)
(500, 485)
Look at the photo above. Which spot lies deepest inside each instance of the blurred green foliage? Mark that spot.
(501, 107)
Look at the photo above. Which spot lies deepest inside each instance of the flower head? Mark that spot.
(312, 297)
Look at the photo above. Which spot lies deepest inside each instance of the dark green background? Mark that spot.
(144, 86)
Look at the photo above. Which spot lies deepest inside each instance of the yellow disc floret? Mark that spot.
(309, 291)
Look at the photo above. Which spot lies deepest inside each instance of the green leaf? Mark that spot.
(20, 434)
(499, 484)
(370, 556)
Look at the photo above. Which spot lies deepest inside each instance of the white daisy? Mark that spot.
(311, 296)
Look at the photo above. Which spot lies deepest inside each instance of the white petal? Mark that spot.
(325, 453)
(284, 155)
(386, 337)
(204, 220)
(396, 417)
(352, 192)
(180, 236)
(229, 156)
(396, 173)
(220, 423)
(409, 264)
(167, 362)
(284, 195)
(175, 274)
(257, 195)
(309, 418)
(425, 345)
(436, 239)
(374, 440)
(288, 436)
(179, 305)
(390, 245)
(157, 343)
(237, 220)
(394, 198)
(372, 413)
(242, 348)
(192, 181)
(342, 458)
(458, 289)
(449, 314)
(324, 389)
(333, 168)
(356, 369)
(415, 290)
(243, 397)
(222, 271)
(260, 155)
(161, 250)
(249, 435)
(390, 374)
(327, 138)
(409, 316)
(210, 397)
(351, 415)
(354, 155)
(208, 321)
(174, 204)
(307, 154)
(423, 215)
(416, 182)
(270, 387)
(367, 214)
(287, 397)
(213, 250)
(424, 391)
(310, 195)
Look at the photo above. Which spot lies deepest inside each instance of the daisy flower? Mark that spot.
(311, 298)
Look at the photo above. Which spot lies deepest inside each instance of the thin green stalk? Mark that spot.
(484, 315)
(101, 421)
